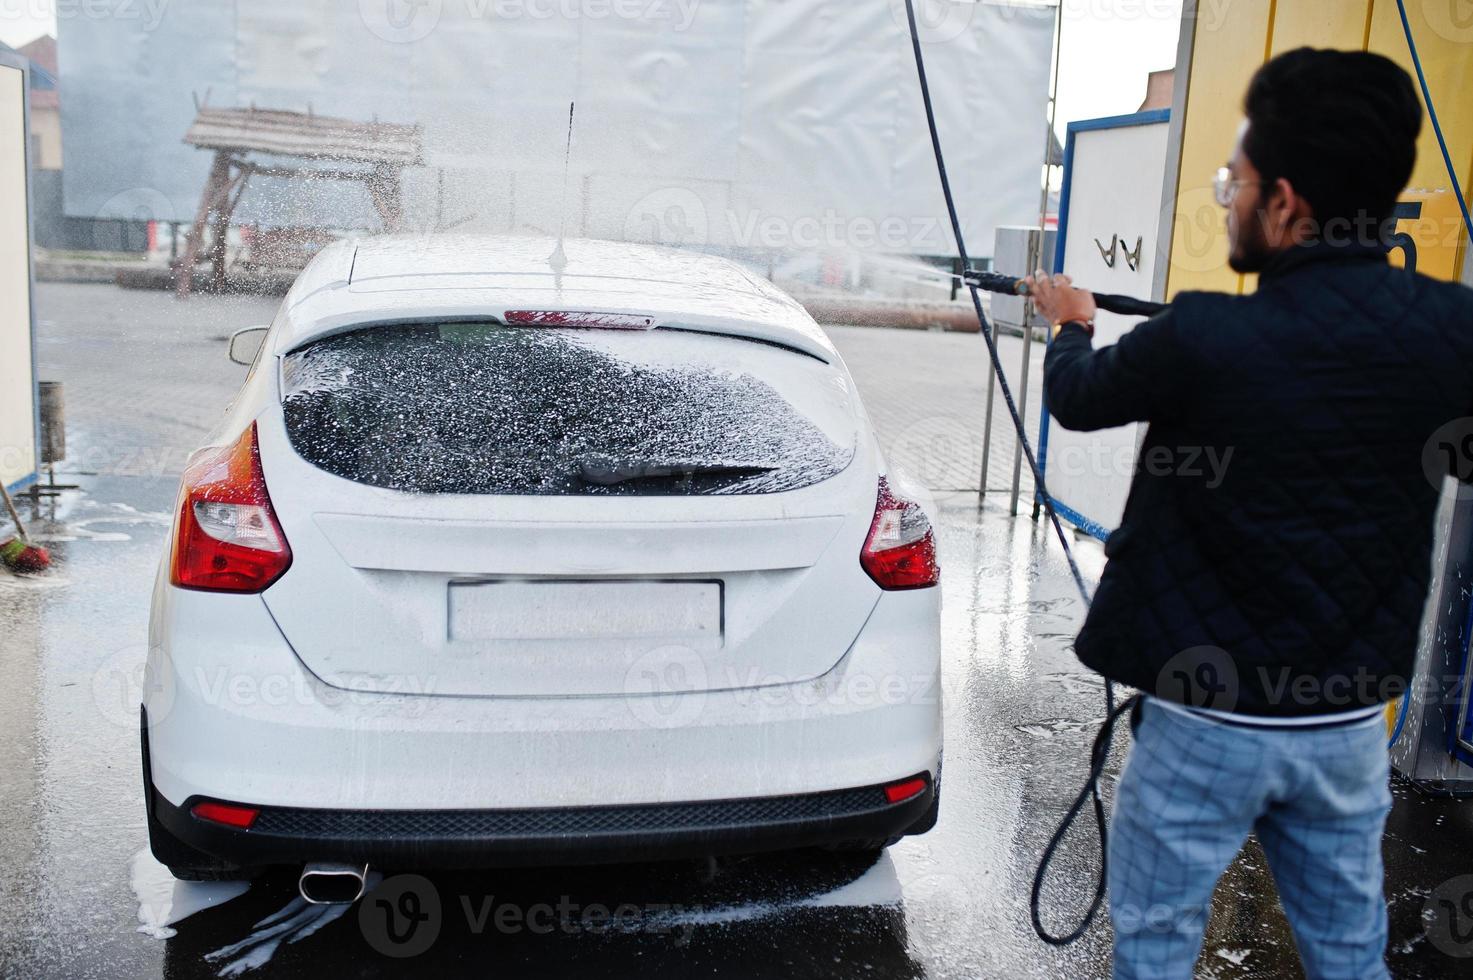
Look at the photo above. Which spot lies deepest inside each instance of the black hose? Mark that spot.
(1101, 750)
(1125, 305)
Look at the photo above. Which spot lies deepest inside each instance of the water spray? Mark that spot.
(1100, 752)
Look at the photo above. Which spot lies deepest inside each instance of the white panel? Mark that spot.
(1115, 189)
(17, 386)
(715, 114)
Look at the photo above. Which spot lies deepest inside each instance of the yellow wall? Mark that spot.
(17, 389)
(1232, 40)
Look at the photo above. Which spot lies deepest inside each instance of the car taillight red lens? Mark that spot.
(226, 536)
(909, 789)
(240, 817)
(900, 551)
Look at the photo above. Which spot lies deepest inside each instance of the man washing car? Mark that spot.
(1269, 615)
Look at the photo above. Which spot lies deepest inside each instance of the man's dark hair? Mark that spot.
(1341, 126)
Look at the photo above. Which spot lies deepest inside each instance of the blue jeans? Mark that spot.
(1191, 793)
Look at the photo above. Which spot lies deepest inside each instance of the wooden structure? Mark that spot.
(371, 153)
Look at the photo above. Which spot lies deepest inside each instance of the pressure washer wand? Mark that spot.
(1125, 305)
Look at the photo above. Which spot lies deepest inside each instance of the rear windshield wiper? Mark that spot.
(606, 473)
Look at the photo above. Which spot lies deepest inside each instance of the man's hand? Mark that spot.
(1058, 300)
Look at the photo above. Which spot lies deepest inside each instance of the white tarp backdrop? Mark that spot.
(764, 124)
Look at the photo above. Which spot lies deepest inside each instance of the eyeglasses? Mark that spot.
(1225, 188)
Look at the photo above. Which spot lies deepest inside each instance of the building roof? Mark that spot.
(1160, 86)
(41, 53)
(398, 277)
(303, 134)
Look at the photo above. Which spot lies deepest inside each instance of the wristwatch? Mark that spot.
(1088, 325)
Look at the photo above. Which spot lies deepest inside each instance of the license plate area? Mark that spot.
(673, 610)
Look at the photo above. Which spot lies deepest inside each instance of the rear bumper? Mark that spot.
(234, 716)
(549, 836)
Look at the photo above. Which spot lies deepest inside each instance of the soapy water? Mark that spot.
(294, 922)
(163, 900)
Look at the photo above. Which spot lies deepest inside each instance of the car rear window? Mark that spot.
(482, 408)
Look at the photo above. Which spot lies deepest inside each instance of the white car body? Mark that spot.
(340, 689)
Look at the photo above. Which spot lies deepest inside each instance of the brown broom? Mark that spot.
(17, 553)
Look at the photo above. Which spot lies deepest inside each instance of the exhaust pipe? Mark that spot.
(329, 883)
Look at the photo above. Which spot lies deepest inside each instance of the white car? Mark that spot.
(509, 552)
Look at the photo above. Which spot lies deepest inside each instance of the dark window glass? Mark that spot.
(483, 408)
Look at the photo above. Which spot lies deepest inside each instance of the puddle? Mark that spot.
(1050, 727)
(122, 515)
(1073, 683)
(36, 582)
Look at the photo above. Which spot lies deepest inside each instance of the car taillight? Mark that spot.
(229, 814)
(900, 551)
(905, 790)
(226, 536)
(586, 320)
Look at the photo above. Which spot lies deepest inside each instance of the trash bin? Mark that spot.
(53, 423)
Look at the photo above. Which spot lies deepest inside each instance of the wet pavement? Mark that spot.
(146, 376)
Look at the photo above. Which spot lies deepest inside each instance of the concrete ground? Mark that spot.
(146, 376)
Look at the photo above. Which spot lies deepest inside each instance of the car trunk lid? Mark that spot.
(741, 576)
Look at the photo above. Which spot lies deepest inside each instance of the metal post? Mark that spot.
(1036, 250)
(1023, 398)
(987, 424)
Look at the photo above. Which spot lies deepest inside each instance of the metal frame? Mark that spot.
(1150, 117)
(1175, 135)
(23, 65)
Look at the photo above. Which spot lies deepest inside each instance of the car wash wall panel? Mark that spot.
(17, 365)
(1225, 43)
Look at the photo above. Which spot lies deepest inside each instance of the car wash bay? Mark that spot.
(951, 904)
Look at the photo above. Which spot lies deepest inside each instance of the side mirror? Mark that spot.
(245, 344)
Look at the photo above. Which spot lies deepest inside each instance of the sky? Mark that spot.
(25, 20)
(1109, 46)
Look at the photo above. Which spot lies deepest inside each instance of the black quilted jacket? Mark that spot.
(1275, 551)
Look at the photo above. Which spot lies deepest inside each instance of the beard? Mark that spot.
(1250, 250)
